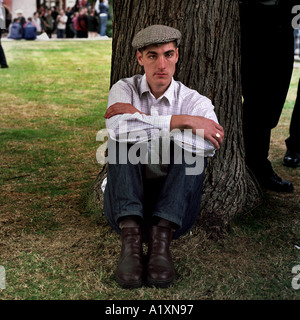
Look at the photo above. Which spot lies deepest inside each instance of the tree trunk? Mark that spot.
(209, 62)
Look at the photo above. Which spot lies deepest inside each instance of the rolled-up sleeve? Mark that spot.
(197, 105)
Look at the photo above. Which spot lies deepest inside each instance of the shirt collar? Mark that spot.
(169, 93)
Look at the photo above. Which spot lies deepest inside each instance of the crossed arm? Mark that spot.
(212, 130)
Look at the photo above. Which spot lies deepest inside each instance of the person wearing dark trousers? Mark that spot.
(3, 61)
(2, 55)
(267, 55)
(292, 156)
(153, 116)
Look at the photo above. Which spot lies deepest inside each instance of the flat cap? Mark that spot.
(156, 34)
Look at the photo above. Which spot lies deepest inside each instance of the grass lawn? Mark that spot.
(52, 101)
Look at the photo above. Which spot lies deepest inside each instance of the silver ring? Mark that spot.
(218, 135)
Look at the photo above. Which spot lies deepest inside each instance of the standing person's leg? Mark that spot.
(292, 156)
(103, 18)
(3, 62)
(264, 86)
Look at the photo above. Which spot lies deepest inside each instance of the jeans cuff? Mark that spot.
(124, 214)
(169, 218)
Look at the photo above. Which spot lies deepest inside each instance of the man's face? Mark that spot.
(159, 63)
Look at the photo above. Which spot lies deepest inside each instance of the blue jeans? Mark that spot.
(103, 19)
(175, 197)
(60, 33)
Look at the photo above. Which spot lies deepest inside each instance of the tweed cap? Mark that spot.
(155, 34)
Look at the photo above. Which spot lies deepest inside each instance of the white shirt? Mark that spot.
(62, 22)
(96, 7)
(177, 99)
(38, 24)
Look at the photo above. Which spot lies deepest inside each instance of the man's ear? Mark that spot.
(139, 56)
(177, 54)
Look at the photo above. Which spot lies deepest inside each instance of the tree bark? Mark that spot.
(209, 62)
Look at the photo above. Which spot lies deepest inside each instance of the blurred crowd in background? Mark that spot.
(83, 20)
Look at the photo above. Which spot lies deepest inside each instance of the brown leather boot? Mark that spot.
(129, 273)
(160, 267)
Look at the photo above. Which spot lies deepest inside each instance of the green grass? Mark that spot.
(53, 98)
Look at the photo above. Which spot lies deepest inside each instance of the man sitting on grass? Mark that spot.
(160, 200)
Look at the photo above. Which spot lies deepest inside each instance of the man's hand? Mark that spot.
(212, 130)
(120, 108)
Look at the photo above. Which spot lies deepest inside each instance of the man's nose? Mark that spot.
(161, 62)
